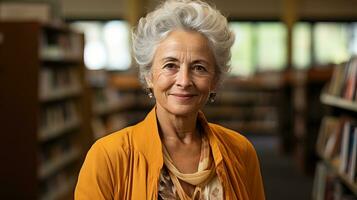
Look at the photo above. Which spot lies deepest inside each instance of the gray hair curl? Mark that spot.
(190, 15)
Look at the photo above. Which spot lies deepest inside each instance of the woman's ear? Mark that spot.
(148, 79)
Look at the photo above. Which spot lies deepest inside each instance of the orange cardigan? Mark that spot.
(126, 164)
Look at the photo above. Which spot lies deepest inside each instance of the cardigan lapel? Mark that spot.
(148, 140)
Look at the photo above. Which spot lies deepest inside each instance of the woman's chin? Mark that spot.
(183, 110)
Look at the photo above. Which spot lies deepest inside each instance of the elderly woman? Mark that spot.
(183, 49)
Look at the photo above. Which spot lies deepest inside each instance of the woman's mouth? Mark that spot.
(183, 97)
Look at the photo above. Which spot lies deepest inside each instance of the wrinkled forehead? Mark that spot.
(185, 43)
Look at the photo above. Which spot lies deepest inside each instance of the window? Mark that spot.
(323, 43)
(259, 46)
(271, 46)
(301, 46)
(242, 61)
(330, 43)
(107, 44)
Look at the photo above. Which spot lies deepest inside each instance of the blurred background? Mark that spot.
(67, 78)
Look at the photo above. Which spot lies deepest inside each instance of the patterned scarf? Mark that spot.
(169, 180)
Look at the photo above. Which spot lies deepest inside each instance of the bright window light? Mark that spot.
(258, 46)
(331, 43)
(271, 46)
(242, 61)
(302, 45)
(107, 44)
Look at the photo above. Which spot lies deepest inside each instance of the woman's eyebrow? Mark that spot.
(170, 58)
(200, 61)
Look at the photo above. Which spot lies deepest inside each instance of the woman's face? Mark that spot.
(182, 73)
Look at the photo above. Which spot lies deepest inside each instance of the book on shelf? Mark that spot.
(58, 82)
(327, 185)
(351, 81)
(352, 165)
(63, 46)
(329, 137)
(344, 80)
(56, 117)
(346, 147)
(318, 192)
(337, 142)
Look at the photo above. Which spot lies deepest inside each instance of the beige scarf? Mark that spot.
(206, 170)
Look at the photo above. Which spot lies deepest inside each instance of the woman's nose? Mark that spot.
(183, 78)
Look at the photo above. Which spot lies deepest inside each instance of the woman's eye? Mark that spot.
(199, 68)
(169, 66)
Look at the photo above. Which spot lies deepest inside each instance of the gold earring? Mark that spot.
(212, 97)
(150, 93)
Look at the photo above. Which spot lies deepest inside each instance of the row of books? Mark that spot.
(337, 143)
(56, 155)
(58, 80)
(107, 98)
(60, 46)
(114, 122)
(57, 116)
(249, 97)
(242, 113)
(328, 186)
(344, 80)
(58, 186)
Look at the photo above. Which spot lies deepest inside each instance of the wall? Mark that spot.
(94, 9)
(252, 9)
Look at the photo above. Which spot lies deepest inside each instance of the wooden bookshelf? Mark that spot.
(251, 106)
(338, 102)
(43, 110)
(62, 93)
(53, 132)
(117, 101)
(337, 140)
(62, 191)
(334, 168)
(56, 164)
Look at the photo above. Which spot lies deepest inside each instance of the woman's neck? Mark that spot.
(175, 128)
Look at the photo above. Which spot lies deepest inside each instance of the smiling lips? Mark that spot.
(183, 97)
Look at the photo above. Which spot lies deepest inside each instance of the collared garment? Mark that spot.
(126, 165)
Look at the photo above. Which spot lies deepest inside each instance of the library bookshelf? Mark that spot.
(44, 110)
(250, 105)
(336, 173)
(134, 101)
(115, 104)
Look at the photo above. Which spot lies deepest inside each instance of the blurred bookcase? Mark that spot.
(134, 102)
(117, 101)
(250, 106)
(337, 141)
(44, 111)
